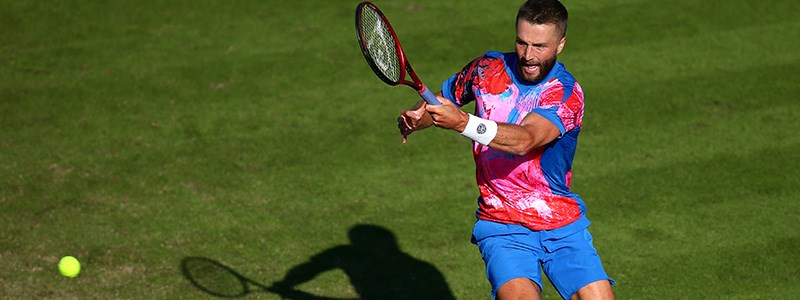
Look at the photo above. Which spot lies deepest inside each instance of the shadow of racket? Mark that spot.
(219, 280)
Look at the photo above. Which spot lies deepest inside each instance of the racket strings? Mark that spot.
(380, 44)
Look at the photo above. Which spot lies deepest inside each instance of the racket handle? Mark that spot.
(429, 97)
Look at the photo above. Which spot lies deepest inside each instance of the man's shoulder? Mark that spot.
(562, 74)
(493, 62)
(497, 55)
(560, 78)
(494, 54)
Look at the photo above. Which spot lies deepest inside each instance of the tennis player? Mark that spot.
(528, 114)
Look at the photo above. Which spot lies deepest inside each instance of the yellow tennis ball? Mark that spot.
(69, 266)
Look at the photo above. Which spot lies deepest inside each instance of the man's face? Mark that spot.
(538, 45)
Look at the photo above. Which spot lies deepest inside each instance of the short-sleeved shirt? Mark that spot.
(532, 190)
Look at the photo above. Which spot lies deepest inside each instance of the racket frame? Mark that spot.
(405, 65)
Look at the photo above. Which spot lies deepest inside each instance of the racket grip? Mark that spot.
(428, 96)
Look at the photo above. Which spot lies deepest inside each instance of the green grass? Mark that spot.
(135, 135)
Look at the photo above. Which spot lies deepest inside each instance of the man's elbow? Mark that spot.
(521, 149)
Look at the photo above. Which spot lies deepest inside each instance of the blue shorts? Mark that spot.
(566, 255)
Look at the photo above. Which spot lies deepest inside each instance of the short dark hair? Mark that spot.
(544, 12)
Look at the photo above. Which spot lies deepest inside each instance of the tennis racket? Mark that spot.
(383, 52)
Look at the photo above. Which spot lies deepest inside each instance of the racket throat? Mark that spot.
(415, 82)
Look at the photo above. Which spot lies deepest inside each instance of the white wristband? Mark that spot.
(480, 130)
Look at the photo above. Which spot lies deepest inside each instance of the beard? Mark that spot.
(542, 69)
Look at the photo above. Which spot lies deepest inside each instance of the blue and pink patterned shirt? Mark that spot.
(532, 190)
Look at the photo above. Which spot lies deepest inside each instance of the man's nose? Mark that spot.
(528, 54)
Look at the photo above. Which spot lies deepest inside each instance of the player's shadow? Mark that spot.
(373, 262)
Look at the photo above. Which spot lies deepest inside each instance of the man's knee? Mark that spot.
(519, 289)
(600, 289)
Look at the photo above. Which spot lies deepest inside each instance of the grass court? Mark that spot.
(170, 144)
